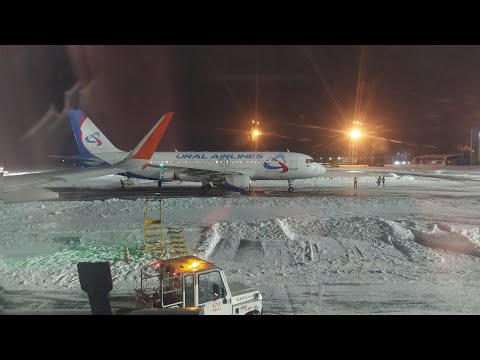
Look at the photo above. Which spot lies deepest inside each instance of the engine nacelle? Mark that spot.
(185, 177)
(162, 175)
(237, 182)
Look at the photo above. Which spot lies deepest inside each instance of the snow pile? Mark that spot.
(439, 236)
(411, 246)
(211, 237)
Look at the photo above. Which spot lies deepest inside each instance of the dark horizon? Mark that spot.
(419, 95)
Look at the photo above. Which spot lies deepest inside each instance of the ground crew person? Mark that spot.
(383, 180)
(355, 182)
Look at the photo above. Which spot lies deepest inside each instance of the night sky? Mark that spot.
(424, 96)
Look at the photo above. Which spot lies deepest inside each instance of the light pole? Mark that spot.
(474, 145)
(354, 134)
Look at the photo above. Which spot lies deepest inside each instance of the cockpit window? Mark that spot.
(309, 161)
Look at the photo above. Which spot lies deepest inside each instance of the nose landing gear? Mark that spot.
(290, 186)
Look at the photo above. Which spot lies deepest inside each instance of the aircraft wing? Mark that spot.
(211, 175)
(452, 177)
(27, 187)
(416, 173)
(15, 182)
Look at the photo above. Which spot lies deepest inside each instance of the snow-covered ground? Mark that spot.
(412, 246)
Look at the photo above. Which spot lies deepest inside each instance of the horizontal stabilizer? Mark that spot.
(88, 160)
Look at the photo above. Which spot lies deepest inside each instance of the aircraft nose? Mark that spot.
(320, 169)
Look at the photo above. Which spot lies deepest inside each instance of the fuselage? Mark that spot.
(232, 170)
(259, 165)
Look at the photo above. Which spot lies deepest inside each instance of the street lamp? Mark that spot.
(354, 135)
(255, 134)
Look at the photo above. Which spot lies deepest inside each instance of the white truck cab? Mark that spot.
(191, 282)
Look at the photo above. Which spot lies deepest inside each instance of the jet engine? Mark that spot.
(237, 182)
(186, 177)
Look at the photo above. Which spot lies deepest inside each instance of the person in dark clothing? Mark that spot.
(355, 182)
(383, 180)
(379, 179)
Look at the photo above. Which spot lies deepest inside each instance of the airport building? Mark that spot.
(439, 159)
(475, 145)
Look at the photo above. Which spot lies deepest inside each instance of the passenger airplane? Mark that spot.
(30, 187)
(232, 171)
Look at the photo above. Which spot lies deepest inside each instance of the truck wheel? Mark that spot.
(254, 312)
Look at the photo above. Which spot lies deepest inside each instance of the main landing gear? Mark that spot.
(205, 189)
(290, 186)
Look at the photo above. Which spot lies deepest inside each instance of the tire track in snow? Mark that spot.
(283, 224)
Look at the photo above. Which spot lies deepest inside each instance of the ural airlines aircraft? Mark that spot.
(230, 170)
(30, 187)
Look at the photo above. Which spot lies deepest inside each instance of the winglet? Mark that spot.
(145, 149)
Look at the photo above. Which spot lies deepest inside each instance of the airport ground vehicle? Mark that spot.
(185, 285)
(191, 282)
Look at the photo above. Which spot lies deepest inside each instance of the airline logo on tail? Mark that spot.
(269, 163)
(94, 138)
(90, 139)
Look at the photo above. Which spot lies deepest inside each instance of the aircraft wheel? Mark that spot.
(290, 189)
